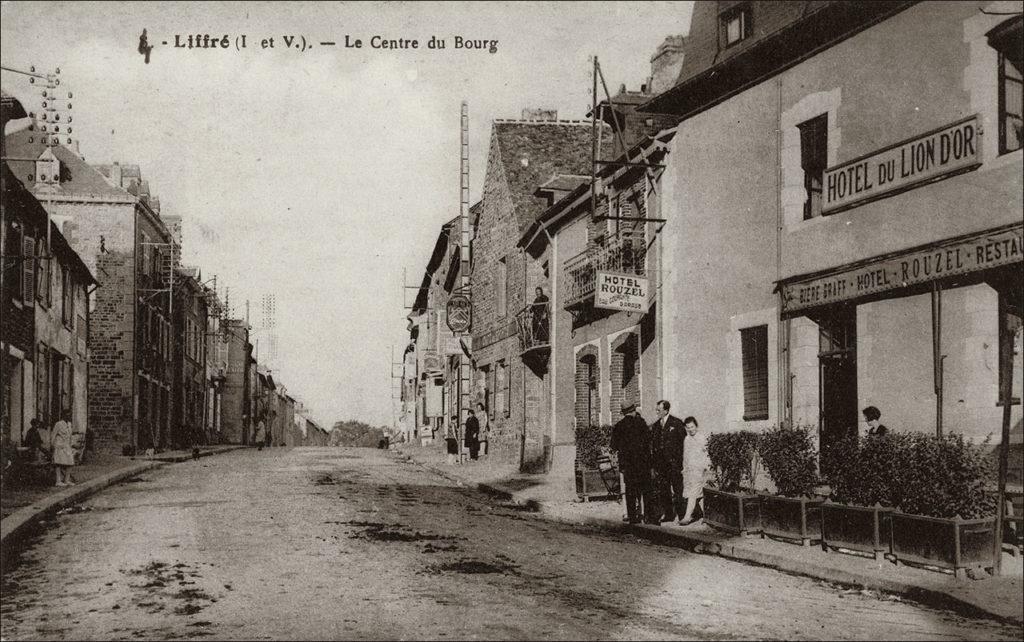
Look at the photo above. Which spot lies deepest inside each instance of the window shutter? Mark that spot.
(754, 346)
(28, 273)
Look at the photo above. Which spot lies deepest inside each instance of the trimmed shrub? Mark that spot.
(866, 471)
(732, 456)
(591, 442)
(917, 473)
(789, 457)
(946, 477)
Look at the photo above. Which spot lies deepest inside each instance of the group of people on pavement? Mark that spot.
(62, 448)
(474, 436)
(663, 465)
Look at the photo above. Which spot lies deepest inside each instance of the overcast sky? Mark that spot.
(319, 175)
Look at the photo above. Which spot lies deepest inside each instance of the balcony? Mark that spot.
(624, 255)
(533, 323)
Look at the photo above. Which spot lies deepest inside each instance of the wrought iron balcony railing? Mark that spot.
(624, 255)
(533, 324)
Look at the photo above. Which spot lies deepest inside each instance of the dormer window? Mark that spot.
(735, 25)
(47, 168)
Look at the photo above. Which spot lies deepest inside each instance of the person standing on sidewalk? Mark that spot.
(667, 437)
(63, 452)
(261, 434)
(481, 416)
(472, 435)
(631, 440)
(695, 465)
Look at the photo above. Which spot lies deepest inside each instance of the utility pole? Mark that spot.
(465, 368)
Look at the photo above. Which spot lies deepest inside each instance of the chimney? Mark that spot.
(666, 63)
(535, 113)
(115, 174)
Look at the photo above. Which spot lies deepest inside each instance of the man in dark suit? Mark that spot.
(631, 440)
(667, 438)
(472, 439)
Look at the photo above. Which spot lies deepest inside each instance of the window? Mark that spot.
(754, 345)
(42, 370)
(67, 297)
(735, 25)
(28, 273)
(501, 286)
(42, 283)
(813, 159)
(1006, 39)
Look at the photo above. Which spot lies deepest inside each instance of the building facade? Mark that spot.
(190, 313)
(237, 387)
(45, 309)
(523, 155)
(873, 254)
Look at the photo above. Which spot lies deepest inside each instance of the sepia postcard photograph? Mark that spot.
(539, 320)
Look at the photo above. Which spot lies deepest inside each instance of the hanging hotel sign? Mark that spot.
(616, 291)
(994, 248)
(460, 313)
(952, 149)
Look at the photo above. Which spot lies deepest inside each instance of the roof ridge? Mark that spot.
(560, 121)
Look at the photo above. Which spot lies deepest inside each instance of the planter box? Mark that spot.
(857, 528)
(733, 512)
(594, 483)
(957, 544)
(791, 517)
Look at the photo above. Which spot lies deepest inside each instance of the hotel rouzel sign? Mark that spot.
(994, 248)
(940, 153)
(618, 291)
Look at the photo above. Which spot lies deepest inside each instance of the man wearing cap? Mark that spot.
(631, 440)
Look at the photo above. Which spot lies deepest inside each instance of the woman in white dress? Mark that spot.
(63, 452)
(695, 466)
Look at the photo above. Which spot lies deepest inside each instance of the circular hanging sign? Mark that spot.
(459, 313)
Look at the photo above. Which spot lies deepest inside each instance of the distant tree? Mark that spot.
(355, 433)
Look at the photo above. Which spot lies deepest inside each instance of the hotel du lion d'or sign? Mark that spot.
(938, 154)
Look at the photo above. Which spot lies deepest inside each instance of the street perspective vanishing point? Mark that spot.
(689, 320)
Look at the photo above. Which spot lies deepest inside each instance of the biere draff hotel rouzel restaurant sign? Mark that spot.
(990, 249)
(939, 153)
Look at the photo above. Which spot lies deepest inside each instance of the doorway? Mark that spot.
(837, 369)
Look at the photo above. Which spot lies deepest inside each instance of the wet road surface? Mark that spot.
(328, 543)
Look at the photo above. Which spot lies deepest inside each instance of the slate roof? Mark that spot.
(17, 197)
(78, 178)
(532, 151)
(782, 34)
(563, 182)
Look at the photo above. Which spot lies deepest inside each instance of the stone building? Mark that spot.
(237, 389)
(844, 209)
(523, 155)
(431, 368)
(110, 219)
(190, 314)
(216, 339)
(44, 306)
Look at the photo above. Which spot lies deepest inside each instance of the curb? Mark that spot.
(174, 459)
(21, 521)
(698, 543)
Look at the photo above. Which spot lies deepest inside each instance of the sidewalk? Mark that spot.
(21, 507)
(998, 597)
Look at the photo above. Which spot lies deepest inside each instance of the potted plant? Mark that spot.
(864, 477)
(789, 457)
(597, 472)
(729, 505)
(945, 518)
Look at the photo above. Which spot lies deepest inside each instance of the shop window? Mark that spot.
(501, 286)
(754, 346)
(813, 159)
(1006, 39)
(735, 25)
